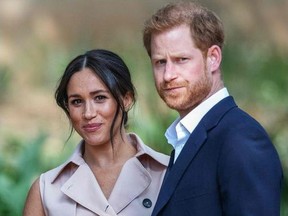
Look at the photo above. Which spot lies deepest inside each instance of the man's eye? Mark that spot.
(182, 60)
(162, 61)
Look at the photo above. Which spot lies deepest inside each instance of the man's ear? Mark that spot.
(214, 58)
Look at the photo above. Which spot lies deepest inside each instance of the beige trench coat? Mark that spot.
(71, 189)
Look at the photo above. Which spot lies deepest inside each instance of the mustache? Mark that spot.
(172, 85)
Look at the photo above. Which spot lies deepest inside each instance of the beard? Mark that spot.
(189, 97)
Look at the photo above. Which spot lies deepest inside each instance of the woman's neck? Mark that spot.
(108, 155)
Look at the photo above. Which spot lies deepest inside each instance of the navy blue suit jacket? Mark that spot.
(227, 167)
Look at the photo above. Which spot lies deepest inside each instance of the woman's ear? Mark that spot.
(66, 107)
(214, 58)
(128, 101)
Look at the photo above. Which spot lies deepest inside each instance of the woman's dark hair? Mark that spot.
(113, 72)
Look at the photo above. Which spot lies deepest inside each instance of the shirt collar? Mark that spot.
(186, 125)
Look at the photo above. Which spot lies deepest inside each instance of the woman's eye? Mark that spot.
(100, 98)
(76, 102)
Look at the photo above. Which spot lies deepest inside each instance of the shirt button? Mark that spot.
(147, 203)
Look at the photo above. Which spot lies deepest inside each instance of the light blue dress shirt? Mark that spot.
(179, 131)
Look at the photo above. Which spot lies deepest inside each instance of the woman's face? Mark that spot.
(92, 108)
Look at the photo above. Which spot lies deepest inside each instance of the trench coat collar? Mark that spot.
(83, 188)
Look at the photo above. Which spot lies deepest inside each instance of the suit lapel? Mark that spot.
(192, 146)
(189, 151)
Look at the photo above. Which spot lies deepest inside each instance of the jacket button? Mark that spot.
(147, 203)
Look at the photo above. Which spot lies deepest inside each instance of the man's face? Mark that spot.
(181, 76)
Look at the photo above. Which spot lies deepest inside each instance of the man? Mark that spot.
(223, 161)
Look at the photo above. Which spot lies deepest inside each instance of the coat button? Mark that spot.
(147, 203)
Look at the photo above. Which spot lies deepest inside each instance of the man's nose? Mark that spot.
(170, 71)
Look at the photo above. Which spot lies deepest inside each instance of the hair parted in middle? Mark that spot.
(113, 72)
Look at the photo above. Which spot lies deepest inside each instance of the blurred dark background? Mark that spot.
(38, 38)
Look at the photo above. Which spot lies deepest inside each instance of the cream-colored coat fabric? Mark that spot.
(71, 189)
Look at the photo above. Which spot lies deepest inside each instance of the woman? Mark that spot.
(111, 172)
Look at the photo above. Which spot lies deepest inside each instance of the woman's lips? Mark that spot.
(92, 127)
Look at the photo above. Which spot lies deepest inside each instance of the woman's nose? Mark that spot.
(89, 111)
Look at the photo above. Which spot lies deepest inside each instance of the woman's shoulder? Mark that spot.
(33, 204)
(144, 149)
(66, 168)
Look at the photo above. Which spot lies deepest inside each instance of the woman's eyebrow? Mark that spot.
(91, 93)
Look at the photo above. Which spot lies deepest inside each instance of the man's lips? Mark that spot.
(172, 88)
(92, 127)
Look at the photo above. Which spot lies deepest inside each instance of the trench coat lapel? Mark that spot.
(84, 189)
(133, 180)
